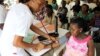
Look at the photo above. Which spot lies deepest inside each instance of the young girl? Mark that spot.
(79, 44)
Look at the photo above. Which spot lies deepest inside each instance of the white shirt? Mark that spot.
(71, 4)
(68, 7)
(3, 12)
(59, 3)
(91, 5)
(2, 15)
(18, 22)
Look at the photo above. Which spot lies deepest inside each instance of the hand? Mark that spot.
(38, 47)
(34, 47)
(53, 45)
(68, 34)
(52, 38)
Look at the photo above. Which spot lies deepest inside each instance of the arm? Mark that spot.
(90, 48)
(18, 42)
(68, 34)
(53, 45)
(38, 31)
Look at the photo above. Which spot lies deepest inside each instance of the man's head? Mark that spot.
(77, 2)
(34, 5)
(63, 3)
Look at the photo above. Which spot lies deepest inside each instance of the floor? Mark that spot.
(97, 45)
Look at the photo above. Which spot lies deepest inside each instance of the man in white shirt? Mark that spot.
(2, 15)
(17, 24)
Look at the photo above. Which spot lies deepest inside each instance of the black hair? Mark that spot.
(63, 3)
(23, 1)
(96, 9)
(81, 24)
(77, 2)
(54, 1)
(51, 10)
(86, 6)
(49, 6)
(76, 8)
(1, 1)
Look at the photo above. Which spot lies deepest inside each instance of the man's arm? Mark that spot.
(90, 48)
(38, 31)
(18, 42)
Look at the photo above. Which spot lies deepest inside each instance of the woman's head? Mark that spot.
(49, 10)
(78, 26)
(97, 11)
(84, 8)
(98, 3)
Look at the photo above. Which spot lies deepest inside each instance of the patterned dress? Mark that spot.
(75, 47)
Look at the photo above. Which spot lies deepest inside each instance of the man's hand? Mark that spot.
(53, 38)
(34, 47)
(38, 47)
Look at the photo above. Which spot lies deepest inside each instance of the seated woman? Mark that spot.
(84, 13)
(50, 16)
(95, 22)
(95, 25)
(79, 43)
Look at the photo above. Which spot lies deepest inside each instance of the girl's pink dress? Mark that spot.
(75, 47)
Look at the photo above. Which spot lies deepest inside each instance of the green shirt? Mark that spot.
(87, 17)
(54, 6)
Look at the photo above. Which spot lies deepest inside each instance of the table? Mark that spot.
(61, 32)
